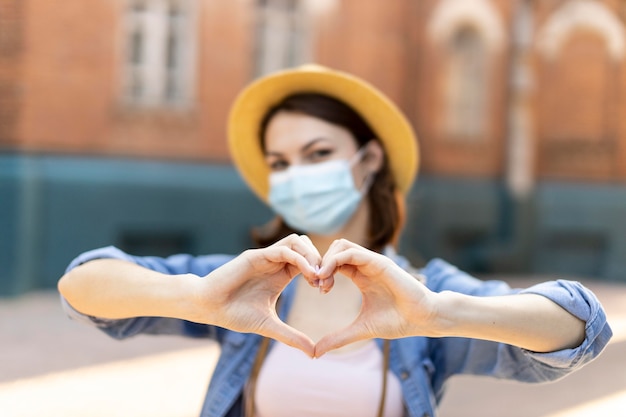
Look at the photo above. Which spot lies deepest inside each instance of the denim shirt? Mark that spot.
(421, 364)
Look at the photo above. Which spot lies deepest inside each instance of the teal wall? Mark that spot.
(53, 208)
(581, 229)
(562, 229)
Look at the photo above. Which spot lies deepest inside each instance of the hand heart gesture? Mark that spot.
(242, 294)
(394, 304)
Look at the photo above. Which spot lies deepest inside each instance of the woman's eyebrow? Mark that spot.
(271, 153)
(302, 150)
(311, 143)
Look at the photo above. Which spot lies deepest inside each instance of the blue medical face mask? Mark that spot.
(317, 198)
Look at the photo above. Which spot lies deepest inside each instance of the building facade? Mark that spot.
(113, 124)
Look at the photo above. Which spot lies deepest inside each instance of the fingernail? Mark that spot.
(321, 286)
(319, 270)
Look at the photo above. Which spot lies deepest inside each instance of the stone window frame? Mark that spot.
(581, 157)
(582, 14)
(282, 35)
(450, 19)
(159, 53)
(466, 94)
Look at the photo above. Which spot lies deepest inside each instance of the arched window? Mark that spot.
(465, 85)
(581, 49)
(576, 88)
(575, 94)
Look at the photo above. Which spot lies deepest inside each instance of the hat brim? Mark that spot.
(385, 118)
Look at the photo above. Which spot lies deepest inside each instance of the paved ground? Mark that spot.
(51, 366)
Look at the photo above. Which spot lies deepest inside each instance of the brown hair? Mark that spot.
(385, 206)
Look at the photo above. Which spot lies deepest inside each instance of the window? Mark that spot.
(465, 85)
(155, 243)
(159, 42)
(282, 39)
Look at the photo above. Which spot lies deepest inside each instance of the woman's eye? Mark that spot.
(278, 165)
(320, 154)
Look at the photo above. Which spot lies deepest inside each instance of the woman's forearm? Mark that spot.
(116, 289)
(529, 321)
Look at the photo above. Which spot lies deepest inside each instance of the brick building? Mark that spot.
(112, 114)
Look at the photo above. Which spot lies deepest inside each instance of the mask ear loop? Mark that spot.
(369, 179)
(401, 204)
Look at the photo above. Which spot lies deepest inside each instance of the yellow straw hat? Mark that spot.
(388, 122)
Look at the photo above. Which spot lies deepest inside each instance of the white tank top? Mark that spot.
(339, 384)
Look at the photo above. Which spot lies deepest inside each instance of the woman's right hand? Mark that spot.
(241, 295)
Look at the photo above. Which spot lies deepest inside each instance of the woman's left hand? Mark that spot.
(395, 304)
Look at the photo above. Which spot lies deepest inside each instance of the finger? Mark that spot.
(327, 284)
(328, 266)
(339, 245)
(303, 245)
(314, 258)
(313, 254)
(284, 254)
(340, 338)
(348, 256)
(278, 330)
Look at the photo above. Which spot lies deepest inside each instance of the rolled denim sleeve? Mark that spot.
(583, 304)
(177, 264)
(479, 357)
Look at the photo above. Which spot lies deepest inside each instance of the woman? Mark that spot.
(334, 158)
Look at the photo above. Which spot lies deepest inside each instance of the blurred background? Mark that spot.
(113, 116)
(113, 127)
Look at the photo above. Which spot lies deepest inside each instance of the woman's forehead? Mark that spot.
(294, 131)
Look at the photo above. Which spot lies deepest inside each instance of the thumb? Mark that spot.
(286, 334)
(352, 333)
